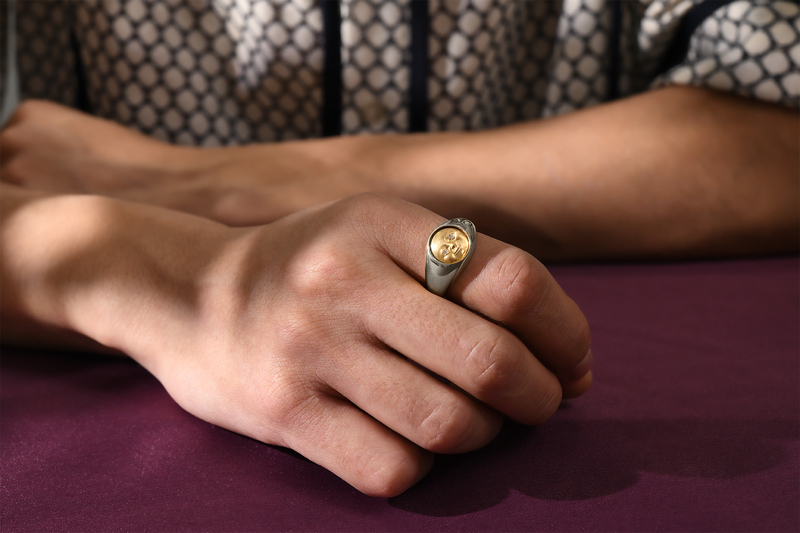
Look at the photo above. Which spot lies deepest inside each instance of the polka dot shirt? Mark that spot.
(220, 72)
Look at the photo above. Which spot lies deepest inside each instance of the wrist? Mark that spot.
(439, 171)
(127, 276)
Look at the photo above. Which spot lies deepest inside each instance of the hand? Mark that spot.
(50, 147)
(314, 332)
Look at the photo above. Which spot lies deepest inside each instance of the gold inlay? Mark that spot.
(450, 245)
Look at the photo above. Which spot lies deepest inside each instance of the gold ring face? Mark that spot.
(449, 245)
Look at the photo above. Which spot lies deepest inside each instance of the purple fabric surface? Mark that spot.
(693, 424)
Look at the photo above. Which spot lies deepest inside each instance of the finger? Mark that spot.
(517, 291)
(575, 388)
(410, 401)
(501, 283)
(36, 171)
(481, 357)
(362, 451)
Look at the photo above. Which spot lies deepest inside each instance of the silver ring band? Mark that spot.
(450, 247)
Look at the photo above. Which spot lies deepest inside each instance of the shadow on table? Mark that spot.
(561, 460)
(565, 460)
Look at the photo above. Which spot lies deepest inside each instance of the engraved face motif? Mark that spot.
(449, 245)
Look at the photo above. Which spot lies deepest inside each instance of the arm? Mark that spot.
(677, 172)
(673, 173)
(289, 334)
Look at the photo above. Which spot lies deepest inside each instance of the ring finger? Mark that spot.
(410, 401)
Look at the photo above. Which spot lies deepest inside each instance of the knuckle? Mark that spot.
(292, 406)
(446, 428)
(521, 283)
(386, 476)
(375, 219)
(324, 269)
(284, 390)
(491, 363)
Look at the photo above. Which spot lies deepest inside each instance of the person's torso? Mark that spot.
(238, 71)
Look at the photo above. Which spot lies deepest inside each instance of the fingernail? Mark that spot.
(583, 367)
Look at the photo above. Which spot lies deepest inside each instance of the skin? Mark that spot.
(313, 332)
(272, 330)
(688, 172)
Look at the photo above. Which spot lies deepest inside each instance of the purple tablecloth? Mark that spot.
(692, 424)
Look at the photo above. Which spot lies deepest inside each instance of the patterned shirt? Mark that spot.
(219, 72)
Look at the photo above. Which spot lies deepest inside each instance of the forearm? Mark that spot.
(92, 273)
(676, 172)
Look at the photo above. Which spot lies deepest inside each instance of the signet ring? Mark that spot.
(449, 249)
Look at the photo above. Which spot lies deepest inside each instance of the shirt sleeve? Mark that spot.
(747, 47)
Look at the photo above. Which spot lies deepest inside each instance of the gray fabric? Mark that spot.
(9, 80)
(748, 48)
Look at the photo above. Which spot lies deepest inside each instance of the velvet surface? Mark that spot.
(692, 425)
